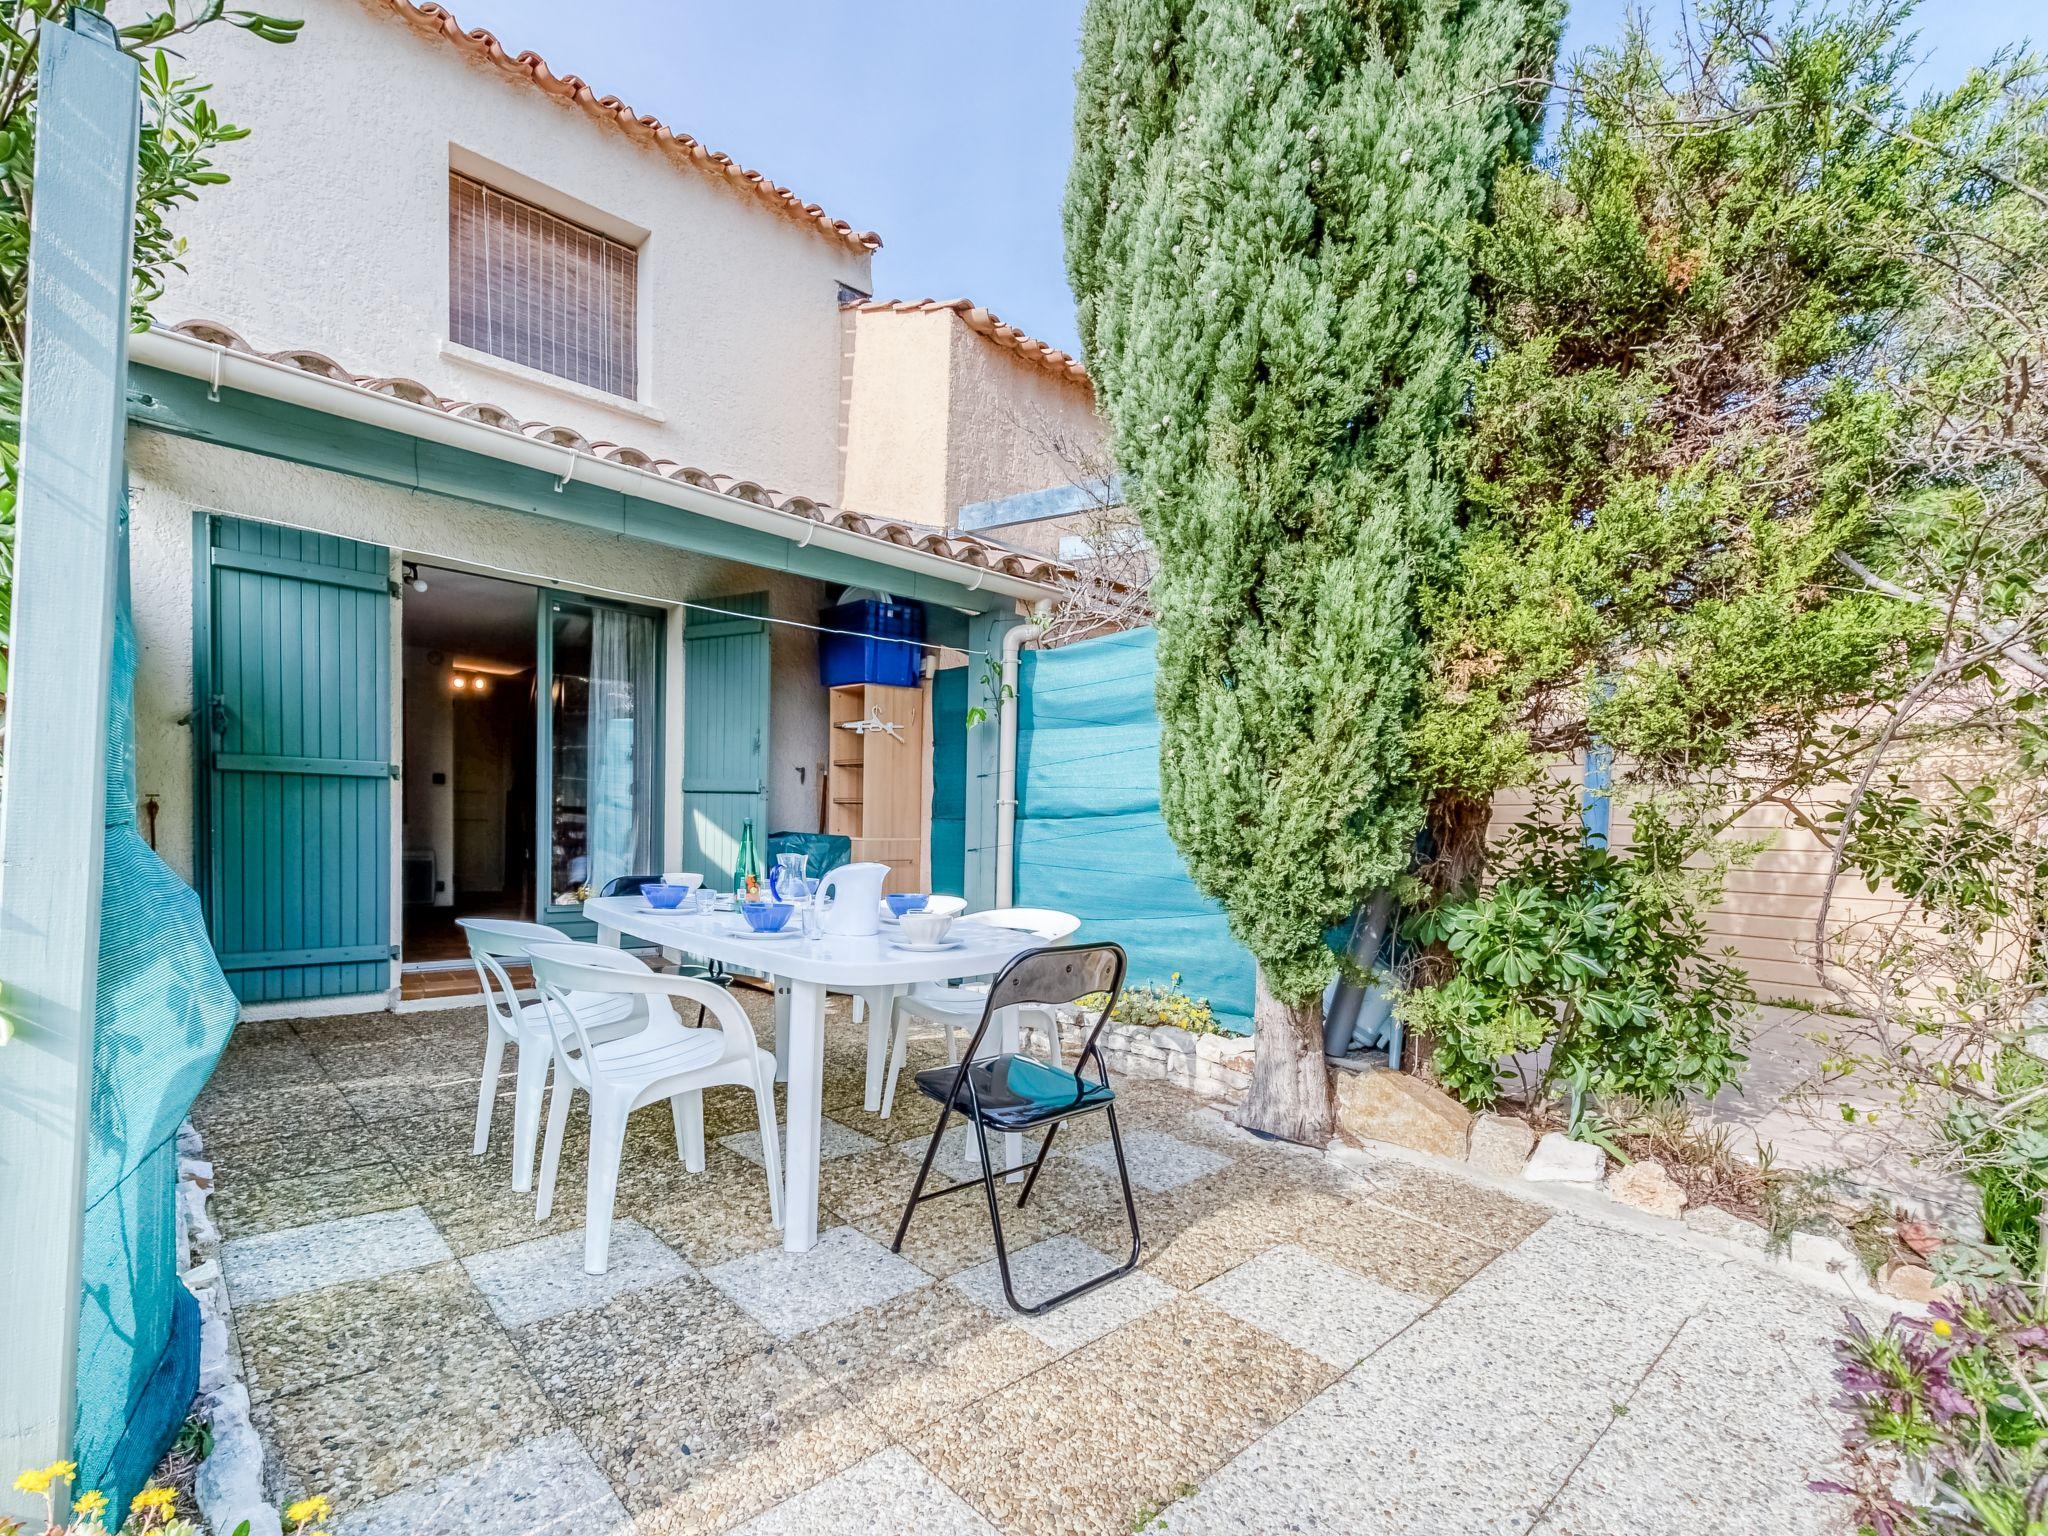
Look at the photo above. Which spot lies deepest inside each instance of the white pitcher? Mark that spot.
(850, 900)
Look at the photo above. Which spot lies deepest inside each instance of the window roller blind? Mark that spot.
(535, 289)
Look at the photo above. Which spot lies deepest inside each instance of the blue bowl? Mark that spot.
(898, 905)
(766, 916)
(666, 896)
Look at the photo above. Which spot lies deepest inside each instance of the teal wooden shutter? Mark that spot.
(725, 735)
(294, 724)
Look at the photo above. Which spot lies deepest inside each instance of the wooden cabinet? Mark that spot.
(879, 781)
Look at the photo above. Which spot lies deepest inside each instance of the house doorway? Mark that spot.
(471, 668)
(533, 752)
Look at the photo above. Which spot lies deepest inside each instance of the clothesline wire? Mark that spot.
(827, 629)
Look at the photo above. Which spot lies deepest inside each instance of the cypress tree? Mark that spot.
(1268, 224)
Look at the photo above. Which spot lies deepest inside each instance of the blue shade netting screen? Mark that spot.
(162, 1015)
(1090, 839)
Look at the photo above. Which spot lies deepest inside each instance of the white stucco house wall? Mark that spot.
(741, 369)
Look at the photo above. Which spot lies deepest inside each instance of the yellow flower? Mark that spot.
(1941, 1328)
(153, 1501)
(39, 1480)
(306, 1511)
(92, 1504)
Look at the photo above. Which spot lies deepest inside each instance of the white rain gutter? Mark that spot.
(1015, 638)
(222, 367)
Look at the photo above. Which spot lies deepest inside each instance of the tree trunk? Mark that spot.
(1290, 1096)
(1457, 835)
(1457, 832)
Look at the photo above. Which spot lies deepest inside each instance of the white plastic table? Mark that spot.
(811, 968)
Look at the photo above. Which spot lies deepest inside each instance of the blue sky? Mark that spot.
(944, 124)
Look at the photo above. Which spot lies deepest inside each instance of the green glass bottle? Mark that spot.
(746, 870)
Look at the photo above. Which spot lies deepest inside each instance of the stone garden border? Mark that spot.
(1405, 1114)
(229, 1485)
(1410, 1118)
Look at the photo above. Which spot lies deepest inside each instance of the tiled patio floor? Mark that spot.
(1307, 1347)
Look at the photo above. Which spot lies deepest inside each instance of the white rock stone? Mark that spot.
(1646, 1185)
(198, 1170)
(1712, 1221)
(230, 1481)
(1501, 1144)
(202, 1276)
(205, 1235)
(1560, 1160)
(189, 1144)
(216, 1366)
(1817, 1250)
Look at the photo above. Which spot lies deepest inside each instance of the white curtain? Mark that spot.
(622, 742)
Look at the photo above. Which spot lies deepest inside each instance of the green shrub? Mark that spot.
(1602, 956)
(2006, 1155)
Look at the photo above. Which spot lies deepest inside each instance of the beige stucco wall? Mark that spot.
(898, 384)
(171, 479)
(333, 234)
(1014, 426)
(939, 415)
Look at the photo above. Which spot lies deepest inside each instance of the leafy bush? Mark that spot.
(1950, 1435)
(2004, 1151)
(1601, 956)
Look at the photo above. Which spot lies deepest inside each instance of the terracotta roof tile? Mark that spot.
(440, 22)
(985, 323)
(962, 548)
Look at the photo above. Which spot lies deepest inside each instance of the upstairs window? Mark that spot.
(533, 288)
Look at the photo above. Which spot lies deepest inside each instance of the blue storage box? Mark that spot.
(881, 650)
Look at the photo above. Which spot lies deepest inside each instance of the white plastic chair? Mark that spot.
(662, 1061)
(492, 941)
(956, 1008)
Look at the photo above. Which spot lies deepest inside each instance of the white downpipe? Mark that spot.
(1015, 638)
(221, 367)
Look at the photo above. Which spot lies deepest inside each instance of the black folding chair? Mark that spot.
(1021, 1093)
(711, 971)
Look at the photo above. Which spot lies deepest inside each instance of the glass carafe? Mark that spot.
(786, 880)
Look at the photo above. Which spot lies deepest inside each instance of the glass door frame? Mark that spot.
(567, 916)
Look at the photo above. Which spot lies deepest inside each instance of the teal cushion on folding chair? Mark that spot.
(1015, 1092)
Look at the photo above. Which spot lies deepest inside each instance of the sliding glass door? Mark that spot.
(599, 746)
